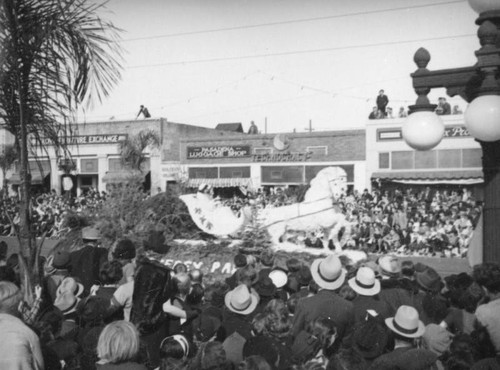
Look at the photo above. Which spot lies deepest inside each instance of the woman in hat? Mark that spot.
(406, 328)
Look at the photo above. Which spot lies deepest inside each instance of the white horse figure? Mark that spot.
(318, 210)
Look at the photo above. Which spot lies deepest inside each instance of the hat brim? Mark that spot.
(364, 291)
(326, 284)
(420, 331)
(255, 299)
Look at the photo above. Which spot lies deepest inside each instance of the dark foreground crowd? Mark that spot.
(100, 309)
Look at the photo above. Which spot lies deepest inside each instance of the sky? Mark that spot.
(284, 62)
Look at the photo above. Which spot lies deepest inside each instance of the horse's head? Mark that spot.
(329, 182)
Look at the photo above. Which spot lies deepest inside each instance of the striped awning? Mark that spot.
(221, 182)
(432, 177)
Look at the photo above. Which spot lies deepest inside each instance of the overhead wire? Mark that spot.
(292, 21)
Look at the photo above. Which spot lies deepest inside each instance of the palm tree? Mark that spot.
(132, 149)
(55, 55)
(8, 157)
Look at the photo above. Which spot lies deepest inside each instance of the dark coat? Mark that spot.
(326, 303)
(364, 303)
(406, 358)
(86, 263)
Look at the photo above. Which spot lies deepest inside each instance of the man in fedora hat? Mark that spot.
(367, 289)
(240, 304)
(329, 275)
(406, 328)
(86, 262)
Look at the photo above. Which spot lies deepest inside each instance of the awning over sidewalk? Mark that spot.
(118, 177)
(463, 177)
(221, 182)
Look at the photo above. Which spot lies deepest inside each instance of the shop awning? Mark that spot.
(463, 177)
(221, 182)
(36, 178)
(121, 176)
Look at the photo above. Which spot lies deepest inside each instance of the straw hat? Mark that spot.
(406, 323)
(66, 302)
(389, 266)
(365, 283)
(241, 300)
(328, 272)
(90, 233)
(68, 284)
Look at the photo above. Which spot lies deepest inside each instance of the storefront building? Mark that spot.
(455, 161)
(270, 160)
(95, 156)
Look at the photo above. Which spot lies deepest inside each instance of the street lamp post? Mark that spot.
(479, 86)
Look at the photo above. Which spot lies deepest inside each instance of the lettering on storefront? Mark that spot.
(228, 151)
(85, 139)
(282, 157)
(449, 132)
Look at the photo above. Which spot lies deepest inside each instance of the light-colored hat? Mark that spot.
(68, 284)
(90, 233)
(406, 323)
(66, 302)
(279, 277)
(328, 272)
(365, 282)
(241, 300)
(389, 266)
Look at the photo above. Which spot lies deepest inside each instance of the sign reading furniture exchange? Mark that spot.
(85, 139)
(226, 151)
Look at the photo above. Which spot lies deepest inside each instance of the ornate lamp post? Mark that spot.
(478, 85)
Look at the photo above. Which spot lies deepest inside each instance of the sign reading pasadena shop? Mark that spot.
(226, 151)
(86, 139)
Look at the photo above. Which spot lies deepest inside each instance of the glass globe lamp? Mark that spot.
(482, 118)
(423, 130)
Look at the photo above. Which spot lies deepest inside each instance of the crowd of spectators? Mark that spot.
(381, 110)
(115, 310)
(426, 222)
(48, 211)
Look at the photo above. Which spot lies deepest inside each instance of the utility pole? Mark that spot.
(265, 125)
(310, 129)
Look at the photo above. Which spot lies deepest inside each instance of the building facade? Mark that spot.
(268, 160)
(455, 161)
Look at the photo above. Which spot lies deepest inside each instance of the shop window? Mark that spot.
(426, 159)
(89, 165)
(383, 160)
(262, 150)
(232, 172)
(449, 158)
(203, 172)
(276, 175)
(402, 160)
(472, 157)
(115, 165)
(317, 150)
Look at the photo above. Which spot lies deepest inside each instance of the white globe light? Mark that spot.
(423, 130)
(481, 6)
(482, 118)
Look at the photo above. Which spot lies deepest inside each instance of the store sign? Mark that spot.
(449, 132)
(228, 151)
(84, 139)
(282, 157)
